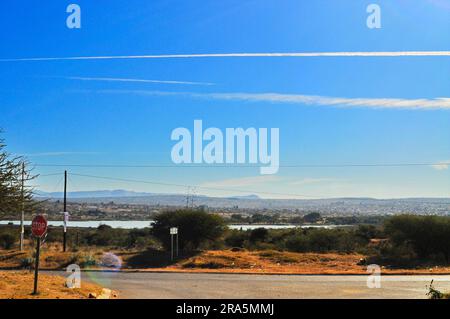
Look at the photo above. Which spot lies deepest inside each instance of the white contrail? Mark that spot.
(439, 103)
(237, 55)
(79, 78)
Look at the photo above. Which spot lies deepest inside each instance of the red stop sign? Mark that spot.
(39, 226)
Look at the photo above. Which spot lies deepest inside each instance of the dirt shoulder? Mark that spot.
(212, 261)
(19, 285)
(275, 262)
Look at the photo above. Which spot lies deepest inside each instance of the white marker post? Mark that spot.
(66, 221)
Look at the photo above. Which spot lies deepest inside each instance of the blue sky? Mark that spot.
(66, 112)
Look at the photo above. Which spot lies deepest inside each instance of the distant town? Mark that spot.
(126, 205)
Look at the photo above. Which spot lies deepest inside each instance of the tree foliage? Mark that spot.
(428, 235)
(195, 228)
(12, 170)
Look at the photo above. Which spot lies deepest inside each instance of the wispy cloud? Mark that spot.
(52, 154)
(376, 103)
(440, 166)
(128, 80)
(241, 55)
(243, 181)
(309, 181)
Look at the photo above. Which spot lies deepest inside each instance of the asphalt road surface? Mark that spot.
(217, 286)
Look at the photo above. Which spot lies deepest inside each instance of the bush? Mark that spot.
(433, 293)
(312, 218)
(429, 236)
(297, 243)
(258, 235)
(236, 238)
(195, 228)
(7, 240)
(83, 260)
(27, 262)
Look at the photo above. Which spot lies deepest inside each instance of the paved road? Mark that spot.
(216, 286)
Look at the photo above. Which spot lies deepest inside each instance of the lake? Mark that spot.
(130, 224)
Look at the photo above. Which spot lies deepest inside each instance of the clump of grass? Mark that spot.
(83, 260)
(277, 257)
(208, 265)
(433, 293)
(26, 262)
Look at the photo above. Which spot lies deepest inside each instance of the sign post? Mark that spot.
(65, 210)
(38, 229)
(173, 231)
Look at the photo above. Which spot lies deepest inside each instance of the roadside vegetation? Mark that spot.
(433, 293)
(402, 242)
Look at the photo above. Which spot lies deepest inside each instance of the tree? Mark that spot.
(312, 218)
(12, 170)
(258, 235)
(195, 228)
(428, 235)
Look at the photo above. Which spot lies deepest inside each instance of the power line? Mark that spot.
(52, 174)
(237, 165)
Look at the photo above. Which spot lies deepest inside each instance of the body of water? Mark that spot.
(130, 224)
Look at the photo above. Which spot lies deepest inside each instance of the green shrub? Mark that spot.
(196, 228)
(7, 240)
(27, 262)
(258, 235)
(429, 236)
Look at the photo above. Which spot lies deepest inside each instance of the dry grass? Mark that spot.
(19, 285)
(276, 262)
(262, 262)
(273, 262)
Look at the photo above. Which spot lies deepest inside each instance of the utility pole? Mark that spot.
(64, 213)
(22, 231)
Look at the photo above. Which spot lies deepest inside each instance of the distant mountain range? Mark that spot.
(92, 194)
(347, 205)
(117, 193)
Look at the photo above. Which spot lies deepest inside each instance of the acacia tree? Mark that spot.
(14, 169)
(196, 228)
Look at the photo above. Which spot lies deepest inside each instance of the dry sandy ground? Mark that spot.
(220, 261)
(19, 285)
(275, 262)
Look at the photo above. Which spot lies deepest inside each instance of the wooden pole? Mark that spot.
(36, 266)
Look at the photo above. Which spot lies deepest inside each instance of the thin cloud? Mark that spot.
(309, 181)
(441, 165)
(314, 100)
(243, 181)
(128, 80)
(52, 154)
(240, 55)
(435, 103)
